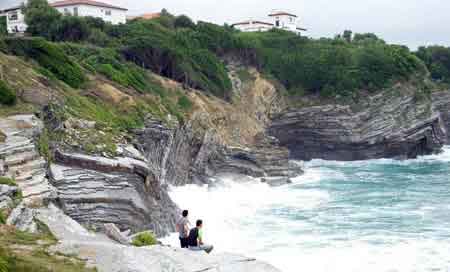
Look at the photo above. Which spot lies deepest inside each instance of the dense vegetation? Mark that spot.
(194, 53)
(7, 95)
(3, 30)
(437, 60)
(50, 57)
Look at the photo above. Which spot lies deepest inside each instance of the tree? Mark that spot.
(184, 21)
(40, 18)
(347, 35)
(70, 28)
(3, 30)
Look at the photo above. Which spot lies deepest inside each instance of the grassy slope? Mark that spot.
(24, 252)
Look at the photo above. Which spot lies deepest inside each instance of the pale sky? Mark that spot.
(408, 22)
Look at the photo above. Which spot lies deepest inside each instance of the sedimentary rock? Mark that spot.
(97, 190)
(7, 194)
(441, 104)
(20, 158)
(22, 218)
(108, 256)
(386, 126)
(266, 160)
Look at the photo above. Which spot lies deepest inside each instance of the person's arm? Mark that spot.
(200, 237)
(186, 230)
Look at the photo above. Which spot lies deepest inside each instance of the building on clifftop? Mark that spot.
(276, 19)
(15, 19)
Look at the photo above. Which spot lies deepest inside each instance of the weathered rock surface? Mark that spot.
(124, 191)
(181, 156)
(266, 160)
(7, 194)
(108, 256)
(396, 126)
(20, 159)
(22, 218)
(441, 104)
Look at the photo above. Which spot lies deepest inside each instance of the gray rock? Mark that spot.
(108, 256)
(441, 104)
(115, 234)
(7, 194)
(386, 126)
(22, 218)
(122, 191)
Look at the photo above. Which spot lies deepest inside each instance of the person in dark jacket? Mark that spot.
(195, 239)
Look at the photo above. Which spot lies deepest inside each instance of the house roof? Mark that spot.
(84, 2)
(146, 16)
(281, 13)
(10, 9)
(302, 29)
(252, 22)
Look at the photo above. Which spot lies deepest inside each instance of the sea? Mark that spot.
(376, 215)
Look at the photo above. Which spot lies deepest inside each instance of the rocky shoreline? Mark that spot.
(385, 126)
(130, 189)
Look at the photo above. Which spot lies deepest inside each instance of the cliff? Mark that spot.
(394, 124)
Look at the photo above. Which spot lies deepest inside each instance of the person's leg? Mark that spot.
(184, 242)
(207, 248)
(181, 242)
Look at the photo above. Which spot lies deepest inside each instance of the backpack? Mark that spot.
(192, 238)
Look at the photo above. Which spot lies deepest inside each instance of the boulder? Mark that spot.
(22, 218)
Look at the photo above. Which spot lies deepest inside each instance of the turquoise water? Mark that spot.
(377, 215)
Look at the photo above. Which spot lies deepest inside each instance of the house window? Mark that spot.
(13, 16)
(277, 23)
(75, 11)
(66, 11)
(108, 12)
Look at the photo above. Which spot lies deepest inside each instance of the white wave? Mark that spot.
(444, 156)
(288, 226)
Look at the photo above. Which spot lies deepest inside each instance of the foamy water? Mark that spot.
(377, 215)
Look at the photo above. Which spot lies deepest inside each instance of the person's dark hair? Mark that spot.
(199, 223)
(185, 213)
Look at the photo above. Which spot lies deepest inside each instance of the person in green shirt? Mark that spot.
(195, 239)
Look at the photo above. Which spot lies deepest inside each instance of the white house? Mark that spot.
(15, 20)
(109, 13)
(115, 15)
(276, 19)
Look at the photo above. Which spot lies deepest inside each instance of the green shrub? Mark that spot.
(184, 103)
(2, 218)
(70, 28)
(49, 56)
(7, 95)
(144, 239)
(7, 181)
(3, 29)
(437, 60)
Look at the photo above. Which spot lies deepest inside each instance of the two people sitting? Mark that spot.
(192, 239)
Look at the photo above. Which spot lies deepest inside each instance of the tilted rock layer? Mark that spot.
(123, 191)
(385, 126)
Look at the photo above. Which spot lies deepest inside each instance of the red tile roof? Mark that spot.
(84, 2)
(281, 13)
(253, 22)
(146, 16)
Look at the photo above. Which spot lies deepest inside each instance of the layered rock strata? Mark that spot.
(124, 191)
(396, 126)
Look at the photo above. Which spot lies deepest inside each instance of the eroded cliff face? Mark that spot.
(221, 138)
(387, 125)
(441, 104)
